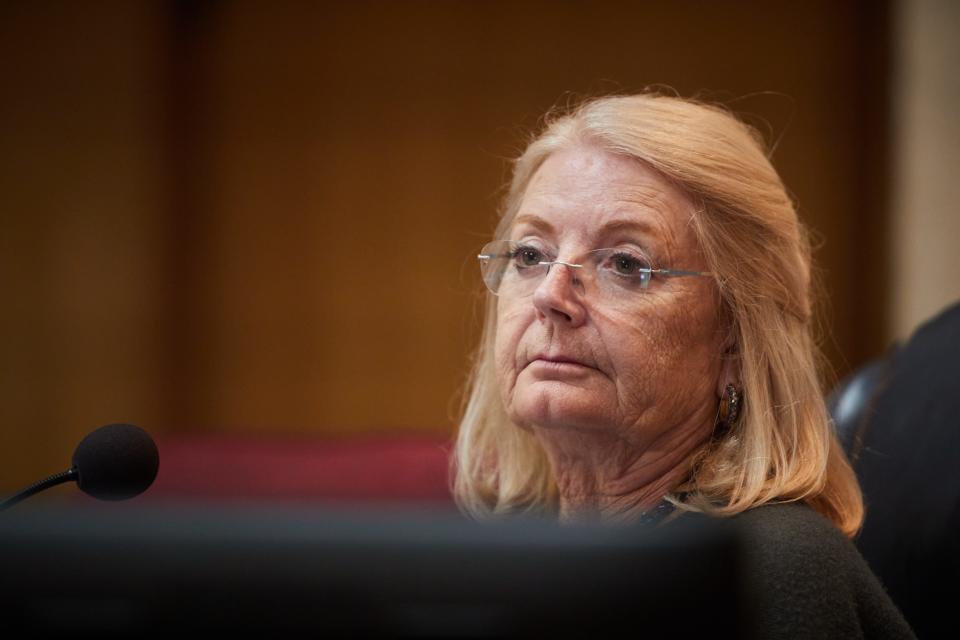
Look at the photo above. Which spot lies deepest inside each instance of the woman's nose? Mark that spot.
(557, 297)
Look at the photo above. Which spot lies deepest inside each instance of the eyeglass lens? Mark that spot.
(515, 270)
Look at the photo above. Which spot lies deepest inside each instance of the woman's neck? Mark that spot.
(606, 478)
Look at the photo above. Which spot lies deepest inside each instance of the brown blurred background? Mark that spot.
(261, 216)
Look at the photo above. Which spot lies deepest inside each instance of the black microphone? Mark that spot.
(114, 462)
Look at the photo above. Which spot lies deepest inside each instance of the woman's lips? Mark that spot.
(554, 366)
(559, 358)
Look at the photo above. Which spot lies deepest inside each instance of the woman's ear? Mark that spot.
(729, 365)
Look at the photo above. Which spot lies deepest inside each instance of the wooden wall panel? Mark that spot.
(80, 227)
(298, 190)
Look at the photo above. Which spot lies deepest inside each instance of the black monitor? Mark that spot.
(391, 571)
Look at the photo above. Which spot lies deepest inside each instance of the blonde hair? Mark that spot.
(783, 447)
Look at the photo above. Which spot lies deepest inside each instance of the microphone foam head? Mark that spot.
(116, 462)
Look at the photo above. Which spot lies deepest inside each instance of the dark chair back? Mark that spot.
(899, 420)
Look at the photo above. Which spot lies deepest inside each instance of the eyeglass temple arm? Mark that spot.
(680, 272)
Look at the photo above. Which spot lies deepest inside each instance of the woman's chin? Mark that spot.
(552, 404)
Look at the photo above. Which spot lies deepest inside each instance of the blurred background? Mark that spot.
(256, 222)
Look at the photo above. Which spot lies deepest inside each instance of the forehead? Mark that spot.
(583, 190)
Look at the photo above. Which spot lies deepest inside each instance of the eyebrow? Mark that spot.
(614, 226)
(534, 221)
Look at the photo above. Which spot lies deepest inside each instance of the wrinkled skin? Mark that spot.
(620, 422)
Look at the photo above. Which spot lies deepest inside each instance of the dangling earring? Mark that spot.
(730, 405)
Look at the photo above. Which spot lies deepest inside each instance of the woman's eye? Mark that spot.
(527, 257)
(628, 264)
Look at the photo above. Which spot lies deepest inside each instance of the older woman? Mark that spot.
(647, 353)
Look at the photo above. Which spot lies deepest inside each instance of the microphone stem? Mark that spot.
(37, 487)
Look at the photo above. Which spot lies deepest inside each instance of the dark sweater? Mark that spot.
(805, 579)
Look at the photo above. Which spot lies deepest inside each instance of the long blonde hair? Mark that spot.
(783, 447)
